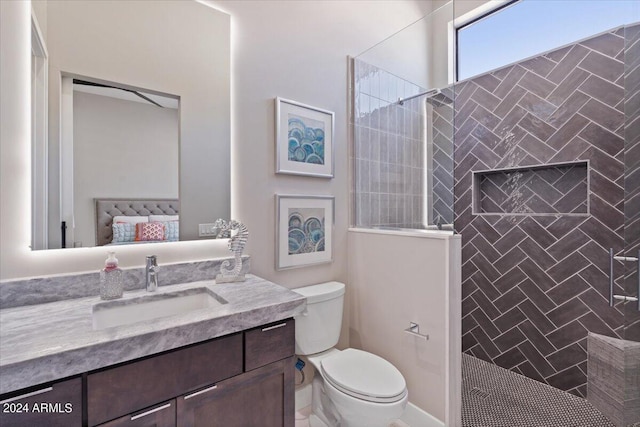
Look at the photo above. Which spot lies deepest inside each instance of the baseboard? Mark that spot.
(416, 417)
(413, 416)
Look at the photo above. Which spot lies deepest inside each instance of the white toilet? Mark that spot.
(354, 388)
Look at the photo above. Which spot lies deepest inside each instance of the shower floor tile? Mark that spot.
(496, 397)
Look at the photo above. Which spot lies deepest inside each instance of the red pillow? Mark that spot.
(147, 231)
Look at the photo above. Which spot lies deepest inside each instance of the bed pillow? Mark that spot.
(163, 218)
(171, 231)
(149, 231)
(130, 219)
(123, 232)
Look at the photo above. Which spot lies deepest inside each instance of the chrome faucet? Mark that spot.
(152, 273)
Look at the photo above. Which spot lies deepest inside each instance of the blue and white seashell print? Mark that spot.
(306, 140)
(306, 230)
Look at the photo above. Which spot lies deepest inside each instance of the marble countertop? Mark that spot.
(45, 342)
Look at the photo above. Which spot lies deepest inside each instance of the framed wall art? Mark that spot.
(304, 139)
(304, 231)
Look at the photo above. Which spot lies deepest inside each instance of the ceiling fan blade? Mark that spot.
(86, 83)
(145, 98)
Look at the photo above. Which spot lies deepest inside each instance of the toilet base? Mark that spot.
(335, 409)
(315, 421)
(321, 406)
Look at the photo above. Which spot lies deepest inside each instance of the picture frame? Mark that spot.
(304, 230)
(304, 139)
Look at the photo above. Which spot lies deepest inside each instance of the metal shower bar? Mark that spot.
(624, 298)
(431, 92)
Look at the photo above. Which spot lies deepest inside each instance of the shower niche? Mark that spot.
(551, 189)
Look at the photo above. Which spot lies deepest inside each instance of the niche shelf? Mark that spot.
(552, 189)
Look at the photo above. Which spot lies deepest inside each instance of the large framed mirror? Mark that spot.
(132, 100)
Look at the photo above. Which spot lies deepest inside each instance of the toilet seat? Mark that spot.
(364, 376)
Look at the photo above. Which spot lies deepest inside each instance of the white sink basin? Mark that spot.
(154, 306)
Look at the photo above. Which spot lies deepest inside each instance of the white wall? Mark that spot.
(404, 54)
(296, 50)
(419, 52)
(395, 280)
(439, 42)
(133, 144)
(39, 9)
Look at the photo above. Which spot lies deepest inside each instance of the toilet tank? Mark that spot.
(318, 328)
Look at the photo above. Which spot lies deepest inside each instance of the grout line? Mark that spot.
(576, 229)
(535, 369)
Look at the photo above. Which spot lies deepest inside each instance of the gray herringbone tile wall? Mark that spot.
(534, 285)
(440, 160)
(388, 149)
(632, 173)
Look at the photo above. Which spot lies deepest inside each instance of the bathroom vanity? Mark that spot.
(231, 365)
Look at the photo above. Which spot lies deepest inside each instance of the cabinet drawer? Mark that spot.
(269, 343)
(125, 389)
(59, 404)
(162, 415)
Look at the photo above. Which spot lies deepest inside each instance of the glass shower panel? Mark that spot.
(403, 128)
(632, 180)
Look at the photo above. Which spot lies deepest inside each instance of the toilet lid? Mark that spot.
(364, 375)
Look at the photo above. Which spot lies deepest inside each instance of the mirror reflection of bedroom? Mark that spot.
(131, 122)
(125, 165)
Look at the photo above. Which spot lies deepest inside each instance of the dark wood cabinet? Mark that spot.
(268, 343)
(54, 405)
(121, 390)
(241, 380)
(261, 397)
(163, 415)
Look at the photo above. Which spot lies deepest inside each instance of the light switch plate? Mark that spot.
(207, 230)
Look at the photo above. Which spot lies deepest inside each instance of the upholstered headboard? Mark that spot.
(106, 209)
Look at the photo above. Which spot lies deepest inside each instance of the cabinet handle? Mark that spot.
(144, 414)
(189, 396)
(24, 396)
(274, 327)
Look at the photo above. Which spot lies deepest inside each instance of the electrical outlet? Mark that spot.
(207, 230)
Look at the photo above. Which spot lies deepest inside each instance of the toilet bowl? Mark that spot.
(354, 388)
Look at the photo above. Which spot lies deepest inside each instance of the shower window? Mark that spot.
(515, 30)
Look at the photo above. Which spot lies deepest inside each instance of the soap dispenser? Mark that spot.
(111, 281)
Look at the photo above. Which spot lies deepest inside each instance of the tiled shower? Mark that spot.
(536, 235)
(535, 275)
(537, 165)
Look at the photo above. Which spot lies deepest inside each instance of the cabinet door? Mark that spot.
(122, 390)
(162, 415)
(57, 405)
(262, 397)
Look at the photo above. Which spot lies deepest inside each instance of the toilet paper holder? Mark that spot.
(414, 329)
